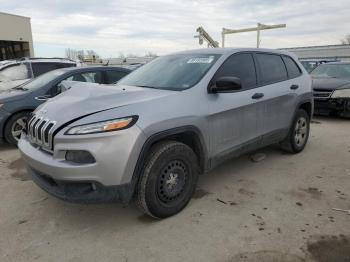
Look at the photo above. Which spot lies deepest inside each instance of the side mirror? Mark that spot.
(225, 84)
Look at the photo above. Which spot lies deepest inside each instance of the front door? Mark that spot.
(233, 116)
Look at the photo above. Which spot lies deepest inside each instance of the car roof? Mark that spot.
(225, 50)
(90, 68)
(7, 63)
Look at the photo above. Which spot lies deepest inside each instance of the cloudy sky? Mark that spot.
(111, 27)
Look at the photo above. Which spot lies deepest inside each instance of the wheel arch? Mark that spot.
(307, 106)
(189, 135)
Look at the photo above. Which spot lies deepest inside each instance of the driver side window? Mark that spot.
(241, 66)
(90, 77)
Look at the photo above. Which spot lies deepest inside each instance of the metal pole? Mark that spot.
(223, 39)
(259, 28)
(258, 36)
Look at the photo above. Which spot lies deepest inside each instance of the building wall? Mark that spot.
(338, 52)
(16, 28)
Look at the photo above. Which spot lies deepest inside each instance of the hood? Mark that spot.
(10, 84)
(329, 83)
(11, 95)
(82, 100)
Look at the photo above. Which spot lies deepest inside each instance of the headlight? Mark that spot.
(105, 126)
(342, 93)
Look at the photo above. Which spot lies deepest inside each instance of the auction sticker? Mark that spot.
(201, 60)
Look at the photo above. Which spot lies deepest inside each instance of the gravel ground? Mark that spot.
(276, 209)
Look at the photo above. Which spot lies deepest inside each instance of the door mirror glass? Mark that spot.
(226, 84)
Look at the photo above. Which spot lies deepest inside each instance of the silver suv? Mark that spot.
(150, 136)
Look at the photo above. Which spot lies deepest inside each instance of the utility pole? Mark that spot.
(259, 27)
(203, 35)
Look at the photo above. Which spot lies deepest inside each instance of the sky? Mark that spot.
(112, 27)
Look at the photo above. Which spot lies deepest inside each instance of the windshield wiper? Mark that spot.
(20, 88)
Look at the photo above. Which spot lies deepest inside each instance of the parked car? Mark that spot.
(310, 65)
(18, 102)
(165, 123)
(331, 86)
(16, 72)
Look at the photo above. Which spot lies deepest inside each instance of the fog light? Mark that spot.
(80, 157)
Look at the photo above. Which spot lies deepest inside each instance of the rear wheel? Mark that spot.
(168, 179)
(298, 135)
(14, 127)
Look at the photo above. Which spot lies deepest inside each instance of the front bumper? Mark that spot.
(116, 154)
(341, 105)
(81, 192)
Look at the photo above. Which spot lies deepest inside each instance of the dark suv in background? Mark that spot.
(16, 72)
(16, 103)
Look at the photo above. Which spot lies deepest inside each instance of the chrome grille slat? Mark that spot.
(36, 129)
(40, 132)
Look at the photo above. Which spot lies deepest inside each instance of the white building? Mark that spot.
(326, 52)
(16, 39)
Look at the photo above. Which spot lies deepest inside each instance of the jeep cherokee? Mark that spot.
(149, 137)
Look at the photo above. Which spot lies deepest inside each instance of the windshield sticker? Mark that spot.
(201, 60)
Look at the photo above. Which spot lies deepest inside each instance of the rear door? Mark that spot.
(278, 101)
(233, 116)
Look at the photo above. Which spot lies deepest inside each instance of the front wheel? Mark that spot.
(168, 179)
(14, 127)
(298, 135)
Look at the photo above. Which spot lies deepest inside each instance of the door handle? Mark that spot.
(294, 87)
(257, 95)
(43, 98)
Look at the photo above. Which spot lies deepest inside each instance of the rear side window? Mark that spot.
(64, 65)
(114, 76)
(292, 67)
(241, 66)
(272, 68)
(42, 68)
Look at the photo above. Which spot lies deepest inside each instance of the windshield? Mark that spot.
(173, 72)
(14, 72)
(332, 70)
(42, 80)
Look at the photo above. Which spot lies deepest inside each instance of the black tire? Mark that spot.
(11, 125)
(168, 179)
(296, 140)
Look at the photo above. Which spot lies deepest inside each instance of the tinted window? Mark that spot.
(241, 66)
(114, 76)
(91, 77)
(272, 68)
(292, 67)
(63, 65)
(42, 68)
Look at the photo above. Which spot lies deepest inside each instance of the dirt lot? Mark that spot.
(278, 209)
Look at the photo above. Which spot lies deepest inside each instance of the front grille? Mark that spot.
(322, 94)
(40, 132)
